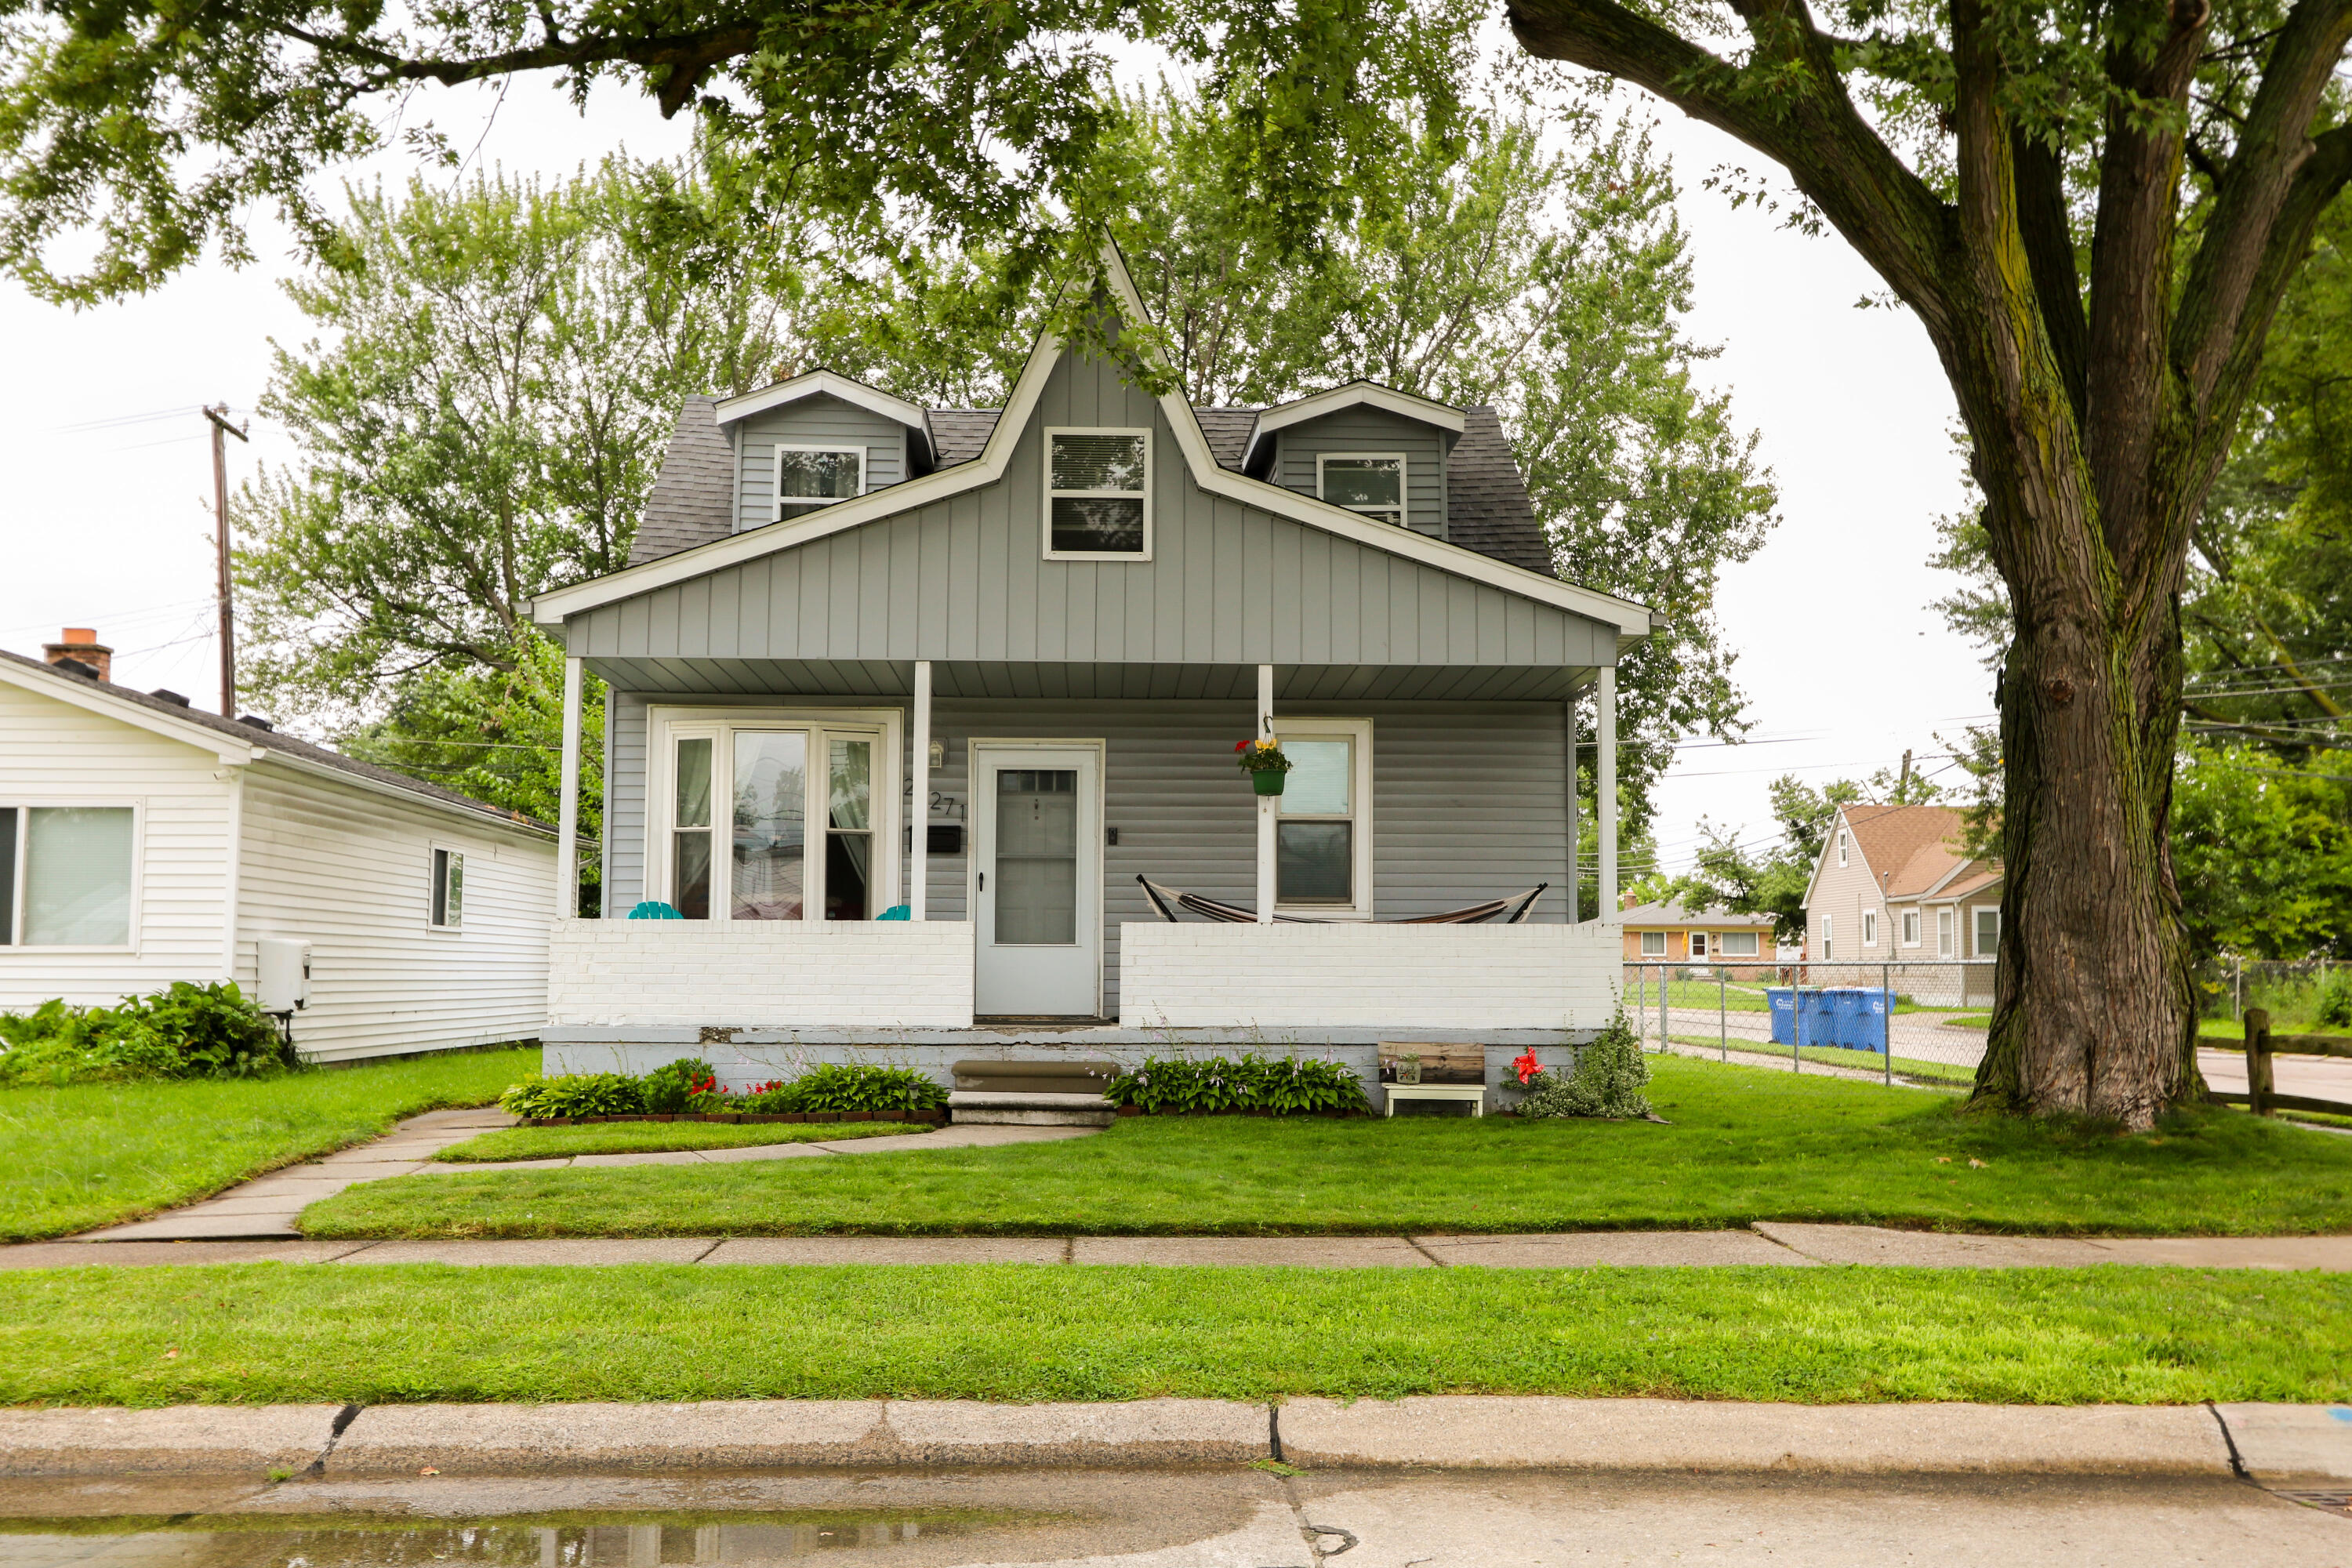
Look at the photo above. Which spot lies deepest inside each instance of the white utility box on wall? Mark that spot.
(284, 974)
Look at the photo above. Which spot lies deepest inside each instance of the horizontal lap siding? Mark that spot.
(349, 872)
(1369, 430)
(52, 754)
(965, 578)
(624, 804)
(822, 421)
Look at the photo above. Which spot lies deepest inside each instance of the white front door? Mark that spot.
(1037, 861)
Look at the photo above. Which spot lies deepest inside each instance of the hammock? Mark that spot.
(1514, 909)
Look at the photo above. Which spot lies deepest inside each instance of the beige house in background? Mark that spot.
(1668, 933)
(1893, 887)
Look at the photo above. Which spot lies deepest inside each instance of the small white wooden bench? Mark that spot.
(1473, 1093)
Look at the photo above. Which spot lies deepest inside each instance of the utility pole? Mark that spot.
(222, 427)
(1900, 785)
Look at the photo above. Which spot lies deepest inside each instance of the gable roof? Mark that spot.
(820, 382)
(1486, 504)
(1631, 621)
(233, 740)
(1913, 847)
(1355, 394)
(1667, 912)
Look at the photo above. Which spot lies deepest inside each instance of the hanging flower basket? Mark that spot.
(1263, 760)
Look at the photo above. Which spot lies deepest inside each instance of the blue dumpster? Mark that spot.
(1866, 1029)
(1783, 1002)
(1845, 1010)
(1817, 1017)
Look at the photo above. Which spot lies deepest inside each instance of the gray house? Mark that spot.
(903, 701)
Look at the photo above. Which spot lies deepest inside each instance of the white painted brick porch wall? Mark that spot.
(761, 974)
(1383, 976)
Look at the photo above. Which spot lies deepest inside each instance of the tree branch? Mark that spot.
(1812, 130)
(2048, 234)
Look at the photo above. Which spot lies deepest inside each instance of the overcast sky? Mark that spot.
(107, 505)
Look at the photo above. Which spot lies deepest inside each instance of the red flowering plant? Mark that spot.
(1527, 1066)
(1262, 755)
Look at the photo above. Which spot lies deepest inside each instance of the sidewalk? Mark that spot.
(1765, 1242)
(264, 1208)
(2271, 1444)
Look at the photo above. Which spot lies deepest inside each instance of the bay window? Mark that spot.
(801, 799)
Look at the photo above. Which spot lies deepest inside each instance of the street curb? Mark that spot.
(1470, 1431)
(1507, 1433)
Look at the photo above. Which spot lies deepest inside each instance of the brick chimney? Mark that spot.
(80, 644)
(1627, 900)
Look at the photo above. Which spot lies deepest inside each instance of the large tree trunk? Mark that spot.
(2094, 1013)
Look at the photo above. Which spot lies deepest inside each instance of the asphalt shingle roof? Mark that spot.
(284, 745)
(693, 500)
(1486, 505)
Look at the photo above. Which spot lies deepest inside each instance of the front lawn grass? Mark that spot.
(1745, 1144)
(1940, 1073)
(655, 1137)
(95, 1154)
(325, 1334)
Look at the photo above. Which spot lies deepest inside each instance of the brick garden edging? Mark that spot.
(928, 1118)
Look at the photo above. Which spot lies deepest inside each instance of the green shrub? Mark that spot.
(186, 1031)
(672, 1087)
(2332, 1004)
(1608, 1079)
(1287, 1086)
(537, 1098)
(837, 1086)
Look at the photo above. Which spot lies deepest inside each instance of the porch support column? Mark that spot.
(567, 826)
(1605, 703)
(919, 831)
(1265, 804)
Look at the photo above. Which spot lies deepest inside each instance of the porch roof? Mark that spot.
(1001, 679)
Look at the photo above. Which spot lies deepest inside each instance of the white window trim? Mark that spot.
(1045, 511)
(25, 805)
(1947, 938)
(1829, 939)
(1845, 843)
(1642, 949)
(442, 847)
(1976, 912)
(776, 475)
(1912, 925)
(1717, 950)
(1359, 875)
(664, 726)
(1405, 486)
(1869, 928)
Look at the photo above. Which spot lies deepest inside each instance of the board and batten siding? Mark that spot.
(349, 872)
(54, 754)
(966, 579)
(1470, 801)
(820, 420)
(1369, 430)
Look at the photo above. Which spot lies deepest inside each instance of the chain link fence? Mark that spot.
(2308, 993)
(1920, 1022)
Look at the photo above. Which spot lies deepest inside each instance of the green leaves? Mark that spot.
(1286, 1086)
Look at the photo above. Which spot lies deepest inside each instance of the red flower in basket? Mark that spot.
(1528, 1065)
(1241, 745)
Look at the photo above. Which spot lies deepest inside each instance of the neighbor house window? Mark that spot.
(1910, 928)
(1829, 925)
(1869, 928)
(1943, 933)
(1098, 493)
(1654, 944)
(808, 477)
(1370, 483)
(66, 874)
(1988, 933)
(1322, 848)
(799, 800)
(1735, 944)
(1843, 842)
(448, 899)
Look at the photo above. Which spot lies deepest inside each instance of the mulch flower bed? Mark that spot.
(929, 1117)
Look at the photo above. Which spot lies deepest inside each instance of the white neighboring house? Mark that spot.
(142, 841)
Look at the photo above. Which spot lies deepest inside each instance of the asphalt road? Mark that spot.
(1215, 1516)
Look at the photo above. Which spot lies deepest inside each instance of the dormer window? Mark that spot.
(808, 477)
(1371, 483)
(1098, 494)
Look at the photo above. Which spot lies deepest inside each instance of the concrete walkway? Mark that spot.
(264, 1208)
(1765, 1243)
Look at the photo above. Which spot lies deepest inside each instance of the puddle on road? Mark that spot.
(878, 1519)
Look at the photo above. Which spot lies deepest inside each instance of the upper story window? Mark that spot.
(809, 477)
(66, 875)
(1843, 842)
(448, 899)
(1369, 482)
(1098, 493)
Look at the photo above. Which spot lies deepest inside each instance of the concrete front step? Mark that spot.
(1029, 1109)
